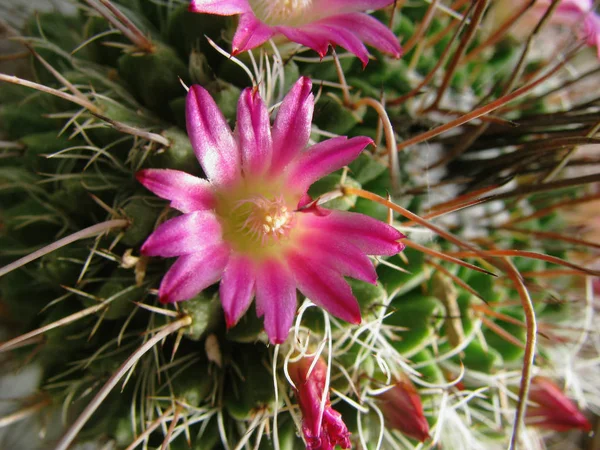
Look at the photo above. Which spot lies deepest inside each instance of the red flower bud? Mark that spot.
(550, 408)
(401, 406)
(322, 430)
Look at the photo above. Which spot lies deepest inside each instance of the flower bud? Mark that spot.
(322, 429)
(550, 408)
(403, 411)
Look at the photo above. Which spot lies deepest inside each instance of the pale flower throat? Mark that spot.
(263, 219)
(257, 224)
(281, 12)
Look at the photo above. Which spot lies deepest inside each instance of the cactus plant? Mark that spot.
(463, 159)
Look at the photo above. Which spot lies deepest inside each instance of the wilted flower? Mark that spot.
(252, 224)
(550, 408)
(402, 409)
(322, 429)
(313, 23)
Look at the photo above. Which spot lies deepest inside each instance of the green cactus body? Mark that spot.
(509, 181)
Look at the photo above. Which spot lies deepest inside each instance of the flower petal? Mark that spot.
(250, 33)
(254, 132)
(237, 288)
(591, 30)
(186, 192)
(325, 287)
(219, 7)
(339, 255)
(183, 235)
(369, 30)
(291, 129)
(583, 5)
(192, 273)
(339, 35)
(309, 38)
(323, 158)
(211, 137)
(370, 235)
(275, 299)
(568, 6)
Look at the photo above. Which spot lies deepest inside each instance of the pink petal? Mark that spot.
(308, 37)
(254, 132)
(325, 287)
(370, 235)
(323, 158)
(336, 430)
(291, 129)
(237, 288)
(220, 7)
(193, 273)
(276, 299)
(578, 5)
(183, 235)
(344, 37)
(369, 30)
(211, 137)
(186, 192)
(583, 5)
(250, 33)
(565, 14)
(339, 255)
(591, 30)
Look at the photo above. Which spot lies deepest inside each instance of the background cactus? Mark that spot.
(508, 187)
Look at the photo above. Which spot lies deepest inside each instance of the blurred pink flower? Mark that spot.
(579, 14)
(576, 14)
(313, 23)
(251, 224)
(402, 409)
(550, 408)
(325, 429)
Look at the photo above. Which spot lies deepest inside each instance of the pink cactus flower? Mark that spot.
(313, 23)
(577, 14)
(402, 409)
(551, 409)
(322, 429)
(251, 224)
(580, 14)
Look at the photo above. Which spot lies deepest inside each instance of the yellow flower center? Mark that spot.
(281, 12)
(265, 220)
(257, 219)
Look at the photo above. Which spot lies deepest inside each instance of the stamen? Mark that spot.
(280, 12)
(263, 219)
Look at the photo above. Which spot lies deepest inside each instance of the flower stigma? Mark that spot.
(281, 12)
